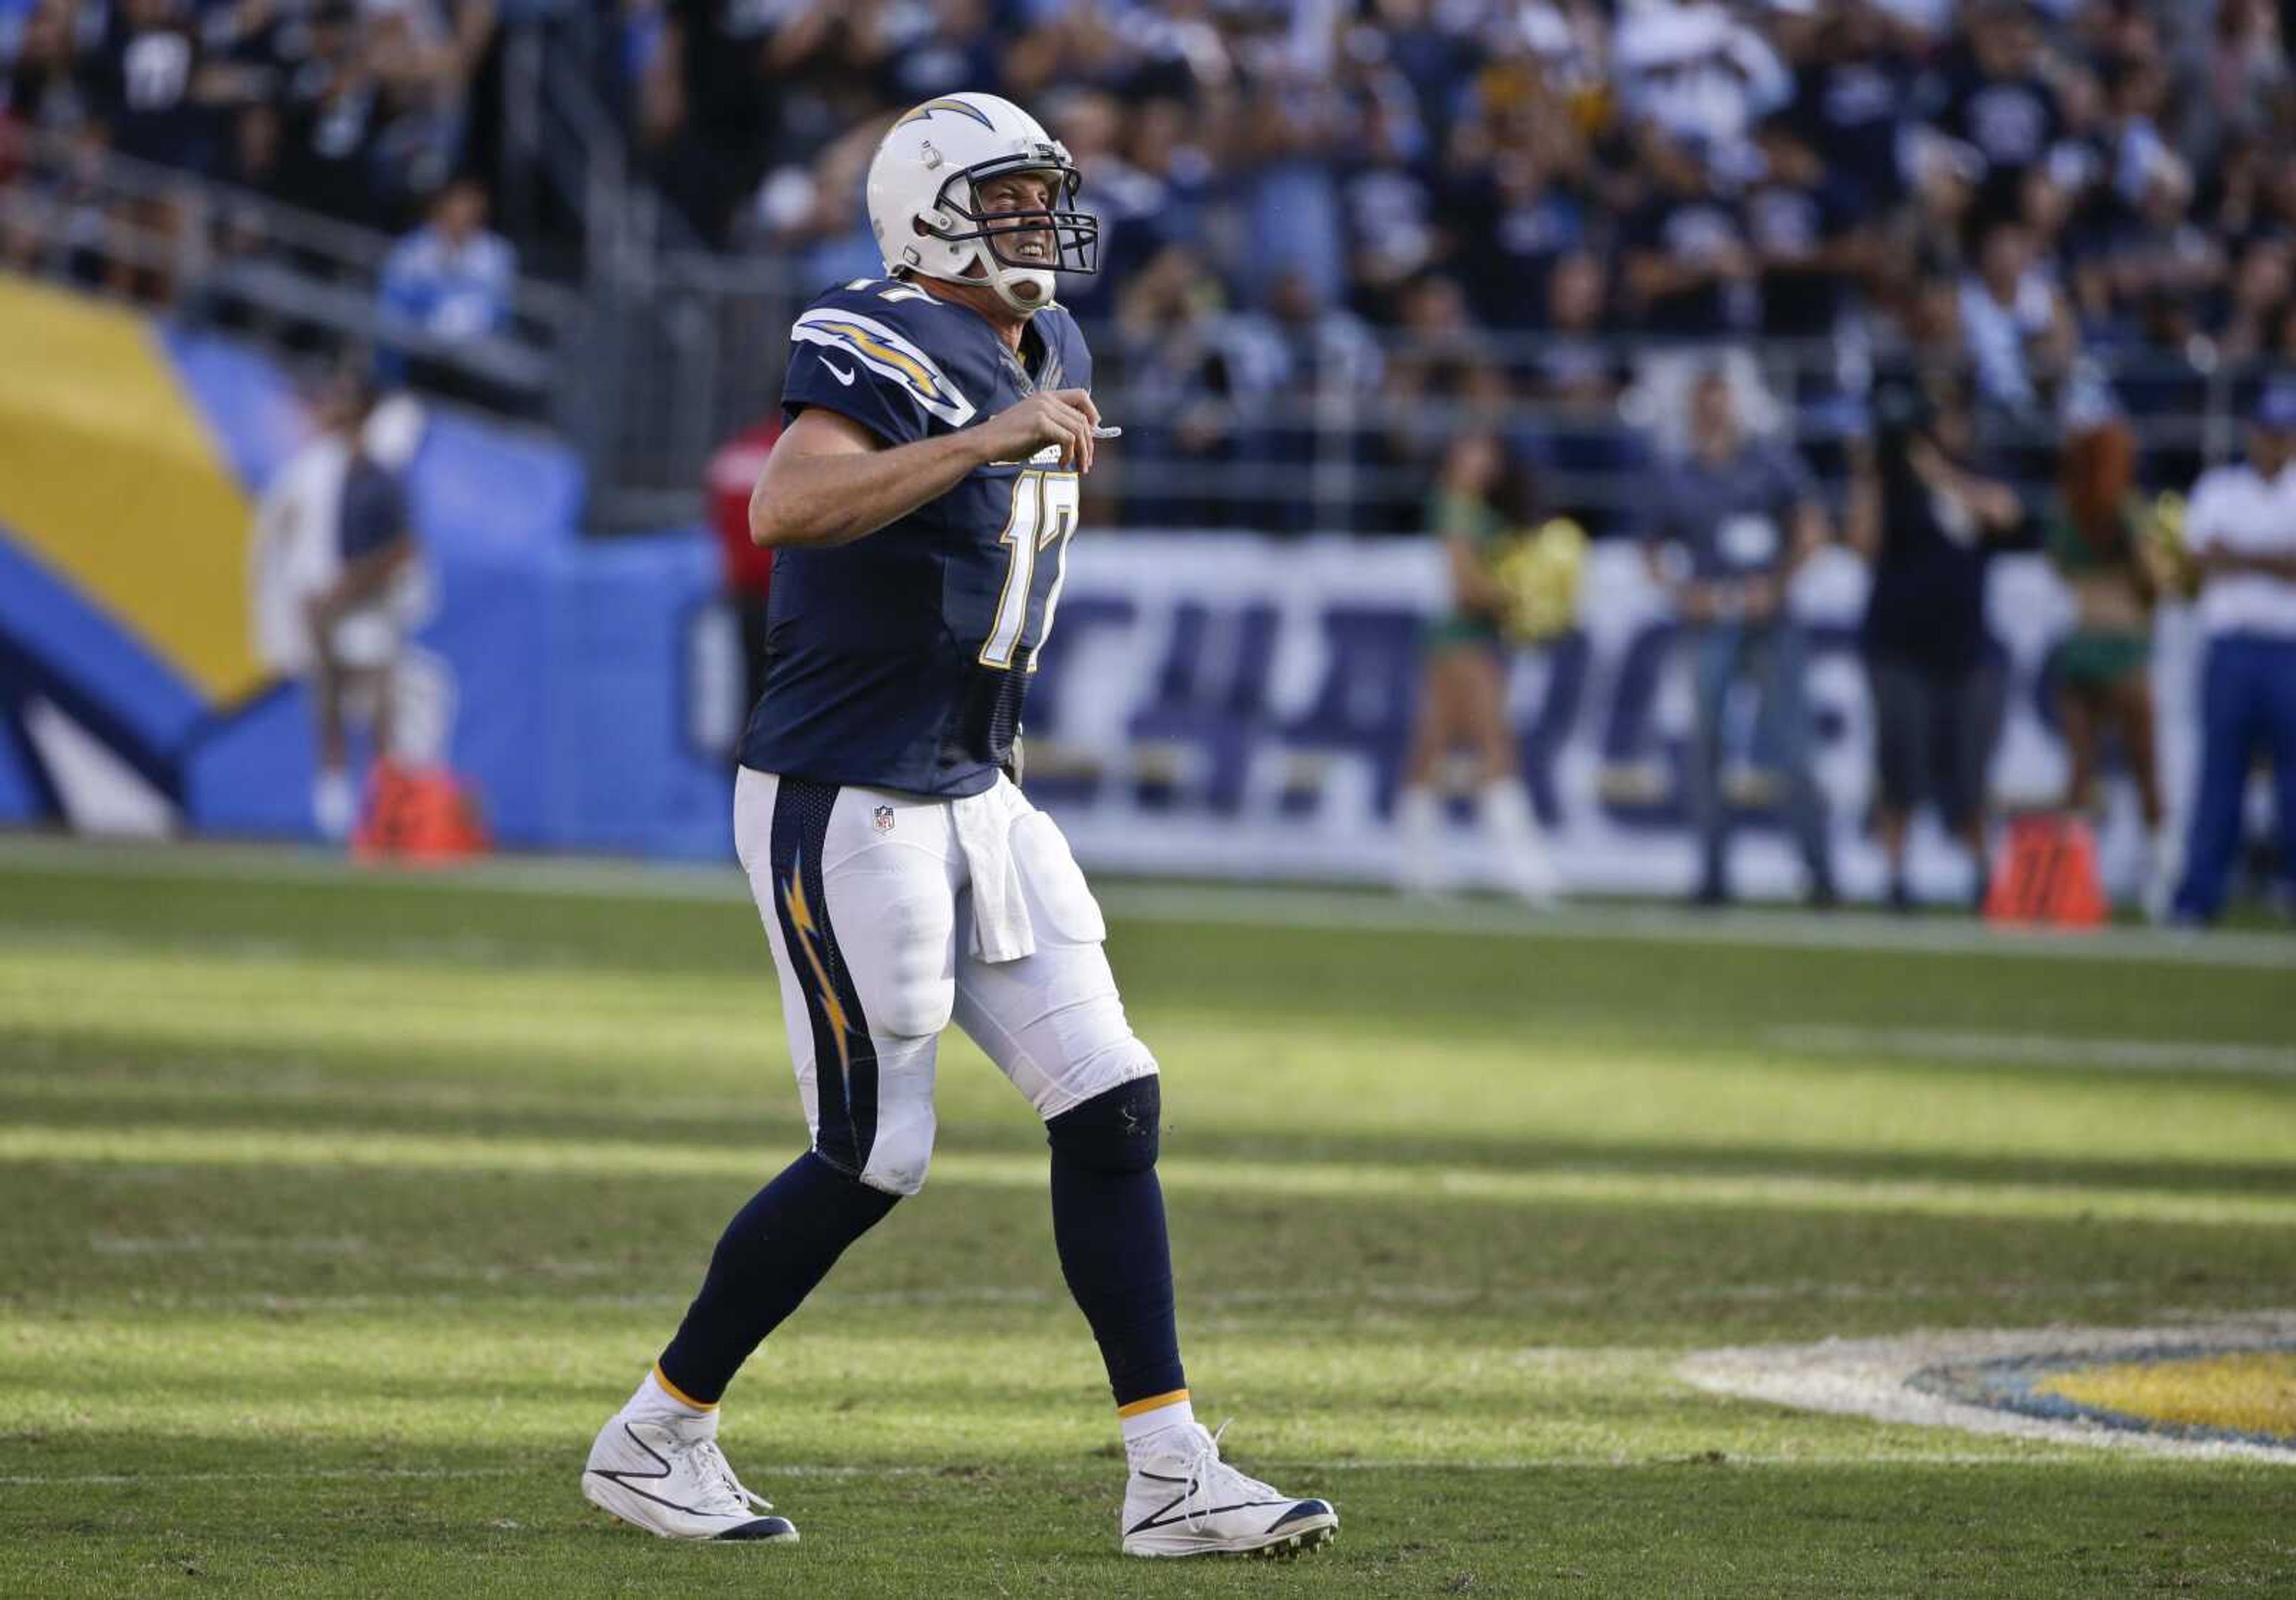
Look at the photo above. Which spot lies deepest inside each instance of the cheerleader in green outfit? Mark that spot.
(2104, 687)
(1482, 502)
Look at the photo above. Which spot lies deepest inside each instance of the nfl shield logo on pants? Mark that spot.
(884, 815)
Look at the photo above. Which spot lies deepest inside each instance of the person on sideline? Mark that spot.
(338, 586)
(1731, 524)
(1928, 520)
(1482, 497)
(2105, 668)
(2240, 531)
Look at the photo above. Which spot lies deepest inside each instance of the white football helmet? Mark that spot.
(929, 222)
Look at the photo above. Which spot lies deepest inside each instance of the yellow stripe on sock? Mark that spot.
(678, 1394)
(1154, 1402)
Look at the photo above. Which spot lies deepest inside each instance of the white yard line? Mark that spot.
(2042, 1050)
(1860, 932)
(1283, 908)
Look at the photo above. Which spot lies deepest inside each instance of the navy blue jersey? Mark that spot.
(372, 514)
(901, 661)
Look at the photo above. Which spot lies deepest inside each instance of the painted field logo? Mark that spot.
(2184, 1391)
(2223, 1388)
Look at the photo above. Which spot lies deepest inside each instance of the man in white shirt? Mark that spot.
(2241, 531)
(338, 585)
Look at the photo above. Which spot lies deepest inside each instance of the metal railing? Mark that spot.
(702, 344)
(217, 255)
(664, 352)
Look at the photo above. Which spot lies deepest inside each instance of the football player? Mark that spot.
(920, 504)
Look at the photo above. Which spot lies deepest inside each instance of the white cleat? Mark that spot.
(1420, 869)
(670, 1479)
(1185, 1500)
(334, 805)
(1518, 846)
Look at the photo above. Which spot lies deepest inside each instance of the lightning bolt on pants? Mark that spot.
(865, 900)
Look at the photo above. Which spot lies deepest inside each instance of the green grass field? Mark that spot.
(341, 1210)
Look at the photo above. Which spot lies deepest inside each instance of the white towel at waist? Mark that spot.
(1001, 928)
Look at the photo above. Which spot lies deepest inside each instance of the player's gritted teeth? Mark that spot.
(1018, 196)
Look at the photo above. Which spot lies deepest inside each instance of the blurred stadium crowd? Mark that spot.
(1509, 186)
(2022, 178)
(354, 111)
(1756, 168)
(1386, 216)
(133, 134)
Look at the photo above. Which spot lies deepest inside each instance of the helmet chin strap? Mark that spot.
(1026, 290)
(1005, 283)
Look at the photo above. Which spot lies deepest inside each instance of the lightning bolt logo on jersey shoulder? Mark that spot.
(859, 338)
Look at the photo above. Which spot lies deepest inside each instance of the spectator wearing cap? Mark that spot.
(1730, 524)
(2240, 531)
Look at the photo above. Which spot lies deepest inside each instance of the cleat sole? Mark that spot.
(615, 1502)
(765, 1531)
(1288, 1547)
(1295, 1546)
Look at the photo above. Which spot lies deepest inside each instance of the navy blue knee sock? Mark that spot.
(1108, 1222)
(771, 1255)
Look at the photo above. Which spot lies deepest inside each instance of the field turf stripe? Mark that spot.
(171, 1145)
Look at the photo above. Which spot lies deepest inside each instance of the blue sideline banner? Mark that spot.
(140, 692)
(1231, 706)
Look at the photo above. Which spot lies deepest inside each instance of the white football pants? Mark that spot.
(868, 902)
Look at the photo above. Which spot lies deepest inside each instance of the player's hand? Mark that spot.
(1064, 417)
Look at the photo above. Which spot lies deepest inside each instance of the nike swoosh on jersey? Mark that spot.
(840, 373)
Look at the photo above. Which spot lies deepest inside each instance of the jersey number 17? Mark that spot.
(1043, 517)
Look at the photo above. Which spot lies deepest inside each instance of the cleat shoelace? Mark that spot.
(717, 1473)
(1213, 1483)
